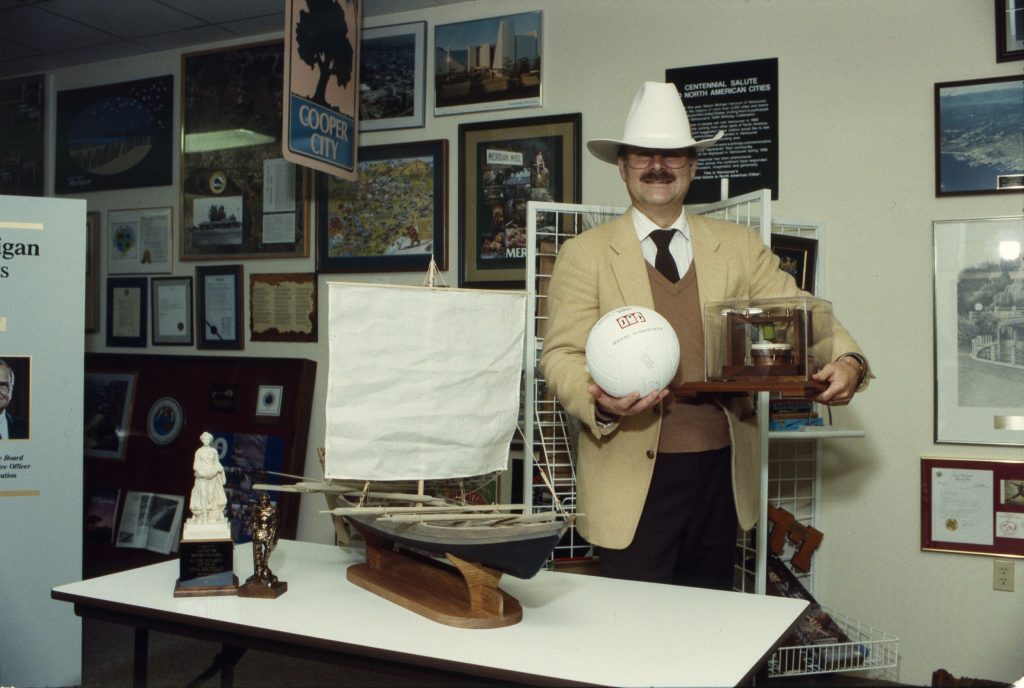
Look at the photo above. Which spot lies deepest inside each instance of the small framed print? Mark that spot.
(1009, 30)
(109, 398)
(92, 271)
(392, 76)
(172, 310)
(126, 311)
(164, 421)
(268, 400)
(797, 257)
(219, 307)
(139, 241)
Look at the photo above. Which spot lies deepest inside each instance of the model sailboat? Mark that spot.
(424, 390)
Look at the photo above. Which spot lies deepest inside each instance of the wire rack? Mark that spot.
(868, 649)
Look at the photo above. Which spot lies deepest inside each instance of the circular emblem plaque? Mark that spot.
(163, 424)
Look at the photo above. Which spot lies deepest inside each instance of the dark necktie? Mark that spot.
(664, 261)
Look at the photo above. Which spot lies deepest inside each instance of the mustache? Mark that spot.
(659, 175)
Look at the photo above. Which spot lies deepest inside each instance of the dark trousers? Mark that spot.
(687, 530)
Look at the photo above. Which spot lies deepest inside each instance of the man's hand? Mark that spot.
(843, 376)
(625, 406)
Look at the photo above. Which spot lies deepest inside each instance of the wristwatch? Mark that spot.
(862, 368)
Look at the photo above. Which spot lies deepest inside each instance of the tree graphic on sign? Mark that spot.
(323, 43)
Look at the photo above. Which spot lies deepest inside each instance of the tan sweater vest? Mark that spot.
(686, 426)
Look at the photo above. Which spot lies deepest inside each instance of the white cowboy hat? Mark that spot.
(656, 120)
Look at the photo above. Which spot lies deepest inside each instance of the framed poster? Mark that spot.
(219, 307)
(139, 241)
(92, 271)
(503, 165)
(108, 412)
(282, 308)
(1009, 30)
(977, 136)
(172, 310)
(979, 331)
(115, 136)
(239, 197)
(393, 75)
(798, 256)
(22, 110)
(126, 311)
(973, 506)
(394, 218)
(488, 64)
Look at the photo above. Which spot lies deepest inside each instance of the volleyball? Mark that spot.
(632, 349)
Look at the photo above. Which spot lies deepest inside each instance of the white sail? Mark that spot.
(423, 383)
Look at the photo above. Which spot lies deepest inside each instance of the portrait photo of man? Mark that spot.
(13, 407)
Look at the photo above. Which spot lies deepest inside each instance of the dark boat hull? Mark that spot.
(518, 550)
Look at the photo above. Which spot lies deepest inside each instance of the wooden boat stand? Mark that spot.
(465, 595)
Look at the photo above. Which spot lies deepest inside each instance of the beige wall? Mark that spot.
(857, 153)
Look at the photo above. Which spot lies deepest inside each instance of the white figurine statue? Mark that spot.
(208, 498)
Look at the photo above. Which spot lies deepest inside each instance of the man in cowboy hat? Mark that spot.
(663, 482)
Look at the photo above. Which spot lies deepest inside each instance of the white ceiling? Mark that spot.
(44, 35)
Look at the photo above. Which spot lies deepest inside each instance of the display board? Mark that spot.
(143, 418)
(42, 337)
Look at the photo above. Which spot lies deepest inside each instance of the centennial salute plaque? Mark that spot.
(207, 552)
(263, 583)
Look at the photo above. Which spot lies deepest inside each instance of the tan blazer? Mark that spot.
(603, 269)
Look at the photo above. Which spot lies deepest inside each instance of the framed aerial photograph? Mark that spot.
(115, 136)
(172, 310)
(1009, 30)
(126, 311)
(108, 412)
(393, 75)
(139, 241)
(798, 256)
(503, 165)
(92, 271)
(488, 64)
(22, 110)
(219, 307)
(239, 197)
(977, 136)
(979, 333)
(394, 219)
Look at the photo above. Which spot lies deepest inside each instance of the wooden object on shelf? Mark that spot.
(807, 389)
(466, 596)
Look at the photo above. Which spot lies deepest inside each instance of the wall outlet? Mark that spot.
(1002, 575)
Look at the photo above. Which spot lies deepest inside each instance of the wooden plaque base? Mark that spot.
(206, 590)
(266, 592)
(466, 596)
(790, 388)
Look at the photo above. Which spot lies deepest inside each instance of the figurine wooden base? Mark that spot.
(263, 591)
(807, 389)
(206, 568)
(466, 596)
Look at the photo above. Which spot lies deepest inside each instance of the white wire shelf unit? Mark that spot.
(790, 467)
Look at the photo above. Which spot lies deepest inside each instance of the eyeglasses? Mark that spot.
(639, 158)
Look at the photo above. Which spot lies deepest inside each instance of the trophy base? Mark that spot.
(265, 592)
(206, 567)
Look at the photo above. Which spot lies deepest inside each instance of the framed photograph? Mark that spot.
(268, 400)
(219, 307)
(979, 332)
(972, 506)
(798, 256)
(488, 64)
(502, 166)
(115, 136)
(1009, 30)
(139, 241)
(108, 413)
(126, 311)
(172, 310)
(394, 219)
(239, 197)
(23, 112)
(282, 308)
(92, 271)
(164, 420)
(393, 75)
(977, 136)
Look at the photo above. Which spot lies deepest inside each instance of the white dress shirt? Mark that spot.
(680, 247)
